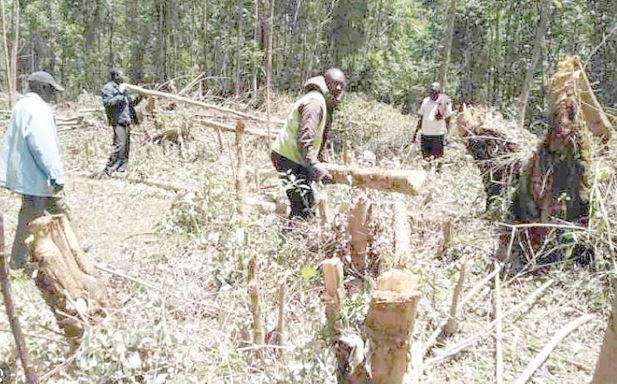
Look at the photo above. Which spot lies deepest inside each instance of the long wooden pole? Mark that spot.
(22, 349)
(186, 100)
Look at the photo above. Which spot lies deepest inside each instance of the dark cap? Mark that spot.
(45, 78)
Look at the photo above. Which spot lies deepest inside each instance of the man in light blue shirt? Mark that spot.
(30, 162)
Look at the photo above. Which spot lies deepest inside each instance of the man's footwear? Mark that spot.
(121, 167)
(104, 174)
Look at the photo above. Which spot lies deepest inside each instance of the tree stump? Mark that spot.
(360, 217)
(67, 279)
(389, 324)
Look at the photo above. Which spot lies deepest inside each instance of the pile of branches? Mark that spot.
(500, 148)
(550, 180)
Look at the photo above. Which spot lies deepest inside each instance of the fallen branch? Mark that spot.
(186, 100)
(22, 349)
(546, 351)
(212, 308)
(489, 327)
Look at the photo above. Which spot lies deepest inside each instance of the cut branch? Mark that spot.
(546, 351)
(22, 349)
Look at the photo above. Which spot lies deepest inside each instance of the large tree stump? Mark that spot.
(67, 279)
(360, 237)
(606, 368)
(389, 324)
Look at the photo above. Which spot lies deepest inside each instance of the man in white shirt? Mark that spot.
(433, 121)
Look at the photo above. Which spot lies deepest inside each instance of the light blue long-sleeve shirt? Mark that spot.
(30, 156)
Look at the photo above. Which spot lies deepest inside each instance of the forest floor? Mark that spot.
(176, 263)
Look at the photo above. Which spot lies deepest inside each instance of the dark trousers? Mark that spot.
(297, 186)
(120, 148)
(32, 207)
(432, 146)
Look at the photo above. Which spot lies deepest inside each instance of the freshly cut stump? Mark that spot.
(389, 324)
(66, 278)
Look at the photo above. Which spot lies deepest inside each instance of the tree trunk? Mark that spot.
(15, 71)
(7, 55)
(269, 66)
(239, 44)
(389, 325)
(443, 71)
(531, 70)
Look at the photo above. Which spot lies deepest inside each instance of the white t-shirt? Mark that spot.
(430, 125)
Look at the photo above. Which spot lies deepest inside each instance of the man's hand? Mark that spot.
(318, 173)
(438, 116)
(122, 88)
(56, 186)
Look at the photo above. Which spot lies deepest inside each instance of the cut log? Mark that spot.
(182, 99)
(68, 281)
(334, 295)
(389, 325)
(402, 181)
(360, 236)
(606, 368)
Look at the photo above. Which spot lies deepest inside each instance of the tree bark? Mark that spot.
(269, 66)
(16, 15)
(531, 70)
(7, 55)
(443, 71)
(389, 325)
(66, 278)
(402, 181)
(360, 236)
